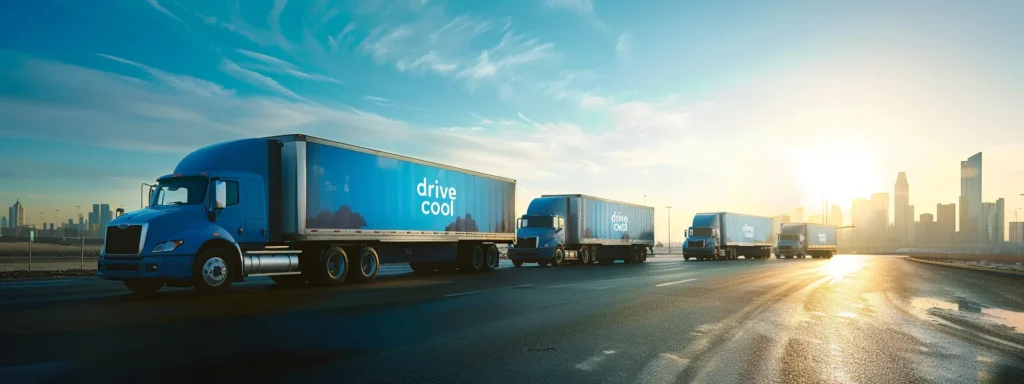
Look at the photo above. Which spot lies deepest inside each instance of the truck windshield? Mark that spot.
(789, 236)
(538, 222)
(703, 232)
(180, 191)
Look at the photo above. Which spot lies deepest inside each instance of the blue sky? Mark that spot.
(611, 98)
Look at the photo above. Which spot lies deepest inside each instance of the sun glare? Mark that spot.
(841, 266)
(836, 175)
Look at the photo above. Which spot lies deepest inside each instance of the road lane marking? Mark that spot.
(663, 369)
(670, 269)
(674, 282)
(591, 282)
(487, 290)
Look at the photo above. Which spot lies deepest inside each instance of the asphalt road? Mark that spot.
(862, 319)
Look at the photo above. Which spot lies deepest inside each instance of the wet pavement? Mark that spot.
(861, 319)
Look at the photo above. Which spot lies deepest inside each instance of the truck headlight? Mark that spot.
(167, 246)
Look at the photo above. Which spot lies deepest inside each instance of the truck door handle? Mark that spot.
(240, 231)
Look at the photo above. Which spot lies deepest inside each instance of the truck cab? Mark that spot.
(790, 245)
(541, 233)
(702, 242)
(196, 223)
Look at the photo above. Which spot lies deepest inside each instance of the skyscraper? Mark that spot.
(903, 220)
(1017, 232)
(945, 223)
(16, 215)
(911, 237)
(988, 223)
(970, 199)
(816, 219)
(105, 215)
(798, 215)
(880, 216)
(861, 220)
(925, 230)
(3, 222)
(1000, 229)
(836, 216)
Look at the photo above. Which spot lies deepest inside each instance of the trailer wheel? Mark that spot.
(144, 287)
(559, 257)
(643, 255)
(366, 263)
(584, 255)
(593, 255)
(332, 268)
(492, 257)
(212, 272)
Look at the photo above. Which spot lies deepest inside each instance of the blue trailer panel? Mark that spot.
(606, 221)
(746, 230)
(354, 190)
(821, 236)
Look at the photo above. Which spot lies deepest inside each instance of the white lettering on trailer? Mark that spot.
(748, 231)
(446, 195)
(620, 222)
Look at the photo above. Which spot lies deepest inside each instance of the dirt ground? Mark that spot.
(40, 247)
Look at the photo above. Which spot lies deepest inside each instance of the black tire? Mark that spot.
(288, 280)
(643, 255)
(144, 287)
(584, 254)
(517, 263)
(470, 258)
(366, 264)
(559, 258)
(332, 267)
(213, 271)
(492, 257)
(422, 268)
(593, 255)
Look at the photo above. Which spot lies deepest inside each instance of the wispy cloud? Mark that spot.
(375, 98)
(388, 103)
(185, 83)
(257, 79)
(581, 7)
(276, 65)
(160, 8)
(513, 50)
(622, 46)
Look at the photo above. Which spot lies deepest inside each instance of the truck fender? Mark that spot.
(214, 235)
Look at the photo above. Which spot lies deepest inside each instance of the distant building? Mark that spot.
(971, 231)
(903, 220)
(861, 221)
(880, 216)
(798, 215)
(945, 223)
(925, 230)
(836, 216)
(1000, 220)
(1017, 232)
(816, 219)
(16, 215)
(3, 222)
(106, 216)
(992, 227)
(911, 235)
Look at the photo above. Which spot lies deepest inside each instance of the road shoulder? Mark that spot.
(970, 267)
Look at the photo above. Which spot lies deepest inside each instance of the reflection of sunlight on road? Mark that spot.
(841, 266)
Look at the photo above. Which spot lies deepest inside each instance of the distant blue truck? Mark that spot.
(557, 229)
(303, 209)
(724, 235)
(798, 240)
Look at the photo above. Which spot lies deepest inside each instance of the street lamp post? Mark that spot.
(669, 207)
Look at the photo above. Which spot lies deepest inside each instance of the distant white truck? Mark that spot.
(797, 240)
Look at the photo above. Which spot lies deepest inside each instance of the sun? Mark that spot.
(836, 175)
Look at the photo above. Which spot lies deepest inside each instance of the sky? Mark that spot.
(747, 106)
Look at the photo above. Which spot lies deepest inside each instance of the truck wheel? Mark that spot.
(144, 287)
(559, 257)
(643, 255)
(332, 267)
(584, 255)
(366, 263)
(212, 272)
(491, 258)
(593, 255)
(517, 263)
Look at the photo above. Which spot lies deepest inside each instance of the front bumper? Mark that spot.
(530, 255)
(698, 251)
(168, 267)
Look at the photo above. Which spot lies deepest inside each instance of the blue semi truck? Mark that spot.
(724, 235)
(557, 229)
(798, 240)
(303, 209)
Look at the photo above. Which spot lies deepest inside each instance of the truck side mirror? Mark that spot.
(220, 194)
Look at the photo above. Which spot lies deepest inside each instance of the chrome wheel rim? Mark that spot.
(215, 271)
(368, 264)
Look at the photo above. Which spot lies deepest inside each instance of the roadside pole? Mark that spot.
(83, 249)
(30, 256)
